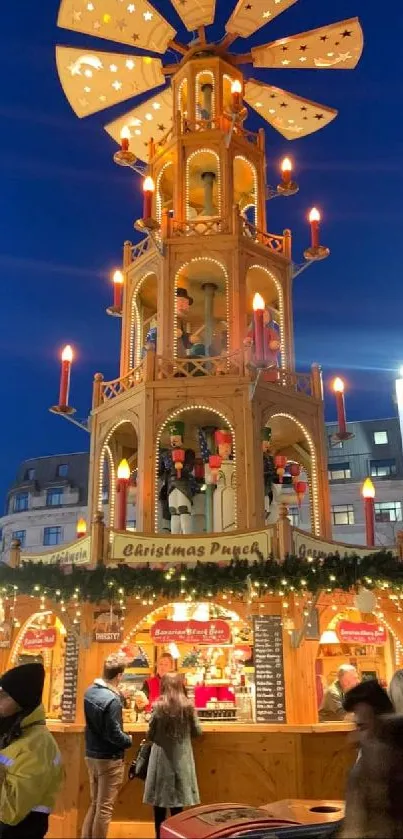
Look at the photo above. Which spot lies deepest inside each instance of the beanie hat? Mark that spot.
(24, 684)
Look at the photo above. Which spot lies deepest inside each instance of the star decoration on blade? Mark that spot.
(86, 74)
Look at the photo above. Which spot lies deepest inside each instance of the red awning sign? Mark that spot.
(361, 633)
(191, 632)
(39, 639)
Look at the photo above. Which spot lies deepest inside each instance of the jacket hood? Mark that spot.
(36, 716)
(101, 683)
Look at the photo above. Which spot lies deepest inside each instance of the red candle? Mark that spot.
(122, 486)
(148, 190)
(258, 312)
(314, 219)
(67, 358)
(236, 90)
(117, 290)
(368, 492)
(124, 138)
(286, 170)
(338, 387)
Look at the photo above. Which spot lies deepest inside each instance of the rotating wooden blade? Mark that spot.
(136, 23)
(249, 15)
(337, 46)
(195, 13)
(288, 113)
(94, 80)
(150, 120)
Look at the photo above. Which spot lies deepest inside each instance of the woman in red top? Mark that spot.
(152, 686)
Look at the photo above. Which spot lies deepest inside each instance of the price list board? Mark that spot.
(269, 669)
(69, 700)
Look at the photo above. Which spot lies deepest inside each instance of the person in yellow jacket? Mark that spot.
(31, 770)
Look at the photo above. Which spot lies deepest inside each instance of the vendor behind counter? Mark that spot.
(151, 690)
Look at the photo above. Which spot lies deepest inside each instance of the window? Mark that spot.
(62, 470)
(343, 514)
(21, 501)
(382, 468)
(339, 471)
(388, 511)
(20, 535)
(29, 475)
(293, 515)
(54, 497)
(381, 438)
(52, 535)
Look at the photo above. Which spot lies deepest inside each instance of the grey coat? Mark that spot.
(171, 777)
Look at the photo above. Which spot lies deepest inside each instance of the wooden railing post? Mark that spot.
(15, 553)
(127, 254)
(98, 552)
(97, 390)
(165, 224)
(285, 543)
(317, 382)
(399, 544)
(236, 220)
(261, 139)
(287, 243)
(149, 365)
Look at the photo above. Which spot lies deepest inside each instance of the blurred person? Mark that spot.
(31, 771)
(171, 782)
(151, 690)
(105, 744)
(331, 708)
(375, 807)
(396, 691)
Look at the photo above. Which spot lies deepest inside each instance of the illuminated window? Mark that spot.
(388, 511)
(54, 497)
(343, 514)
(21, 502)
(20, 535)
(381, 438)
(52, 535)
(383, 468)
(62, 470)
(339, 471)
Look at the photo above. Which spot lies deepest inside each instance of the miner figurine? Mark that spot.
(179, 484)
(269, 471)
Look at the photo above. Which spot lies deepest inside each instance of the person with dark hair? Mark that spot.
(105, 744)
(396, 691)
(151, 690)
(171, 782)
(30, 762)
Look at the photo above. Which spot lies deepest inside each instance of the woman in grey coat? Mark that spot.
(171, 782)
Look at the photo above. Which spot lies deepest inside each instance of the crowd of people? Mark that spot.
(31, 769)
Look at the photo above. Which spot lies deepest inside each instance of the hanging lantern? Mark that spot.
(214, 463)
(300, 489)
(178, 457)
(280, 462)
(295, 471)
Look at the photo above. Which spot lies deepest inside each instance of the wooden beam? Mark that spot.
(228, 40)
(170, 69)
(242, 58)
(175, 45)
(202, 34)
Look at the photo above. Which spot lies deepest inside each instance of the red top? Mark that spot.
(154, 691)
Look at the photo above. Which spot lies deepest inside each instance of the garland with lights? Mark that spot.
(267, 576)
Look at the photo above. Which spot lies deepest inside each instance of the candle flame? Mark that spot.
(338, 385)
(286, 165)
(81, 528)
(258, 302)
(125, 133)
(368, 489)
(67, 354)
(148, 184)
(123, 470)
(314, 215)
(236, 86)
(118, 278)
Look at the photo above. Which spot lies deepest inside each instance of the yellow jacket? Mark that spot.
(31, 771)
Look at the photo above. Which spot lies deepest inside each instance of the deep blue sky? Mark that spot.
(66, 209)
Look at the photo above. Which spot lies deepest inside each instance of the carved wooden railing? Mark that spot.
(116, 387)
(189, 125)
(199, 227)
(268, 240)
(299, 382)
(221, 365)
(141, 248)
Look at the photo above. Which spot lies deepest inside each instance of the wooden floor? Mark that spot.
(131, 830)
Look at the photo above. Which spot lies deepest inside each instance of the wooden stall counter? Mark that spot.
(248, 763)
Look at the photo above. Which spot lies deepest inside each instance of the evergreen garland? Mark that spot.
(204, 580)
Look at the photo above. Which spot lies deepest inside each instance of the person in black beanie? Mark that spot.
(30, 762)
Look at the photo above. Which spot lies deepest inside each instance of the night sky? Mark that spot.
(66, 210)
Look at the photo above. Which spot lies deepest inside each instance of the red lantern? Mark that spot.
(280, 462)
(178, 457)
(214, 461)
(295, 471)
(300, 489)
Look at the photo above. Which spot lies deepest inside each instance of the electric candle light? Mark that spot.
(122, 488)
(338, 387)
(148, 190)
(368, 494)
(67, 358)
(118, 280)
(258, 312)
(314, 219)
(286, 170)
(236, 90)
(81, 529)
(125, 138)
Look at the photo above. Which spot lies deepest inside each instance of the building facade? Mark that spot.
(45, 502)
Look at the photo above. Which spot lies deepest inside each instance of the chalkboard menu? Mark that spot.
(69, 699)
(269, 670)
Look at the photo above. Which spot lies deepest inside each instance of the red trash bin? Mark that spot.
(217, 821)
